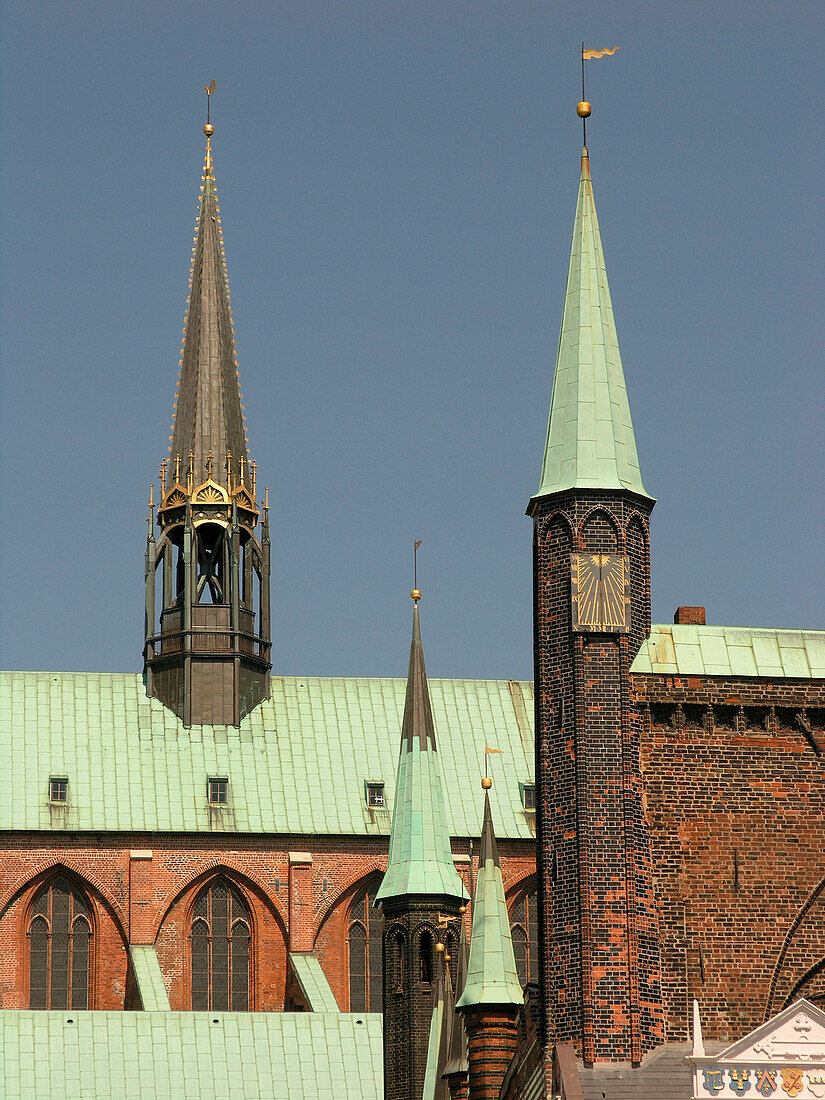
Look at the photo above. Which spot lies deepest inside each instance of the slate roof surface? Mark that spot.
(208, 415)
(296, 764)
(663, 1075)
(590, 441)
(190, 1055)
(732, 651)
(313, 982)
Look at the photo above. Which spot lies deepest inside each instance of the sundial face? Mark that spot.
(600, 593)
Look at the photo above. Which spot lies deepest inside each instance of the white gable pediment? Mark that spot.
(784, 1057)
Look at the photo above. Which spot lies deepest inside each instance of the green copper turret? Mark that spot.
(420, 857)
(492, 978)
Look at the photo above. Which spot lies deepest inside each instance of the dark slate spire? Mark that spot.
(208, 419)
(420, 856)
(207, 658)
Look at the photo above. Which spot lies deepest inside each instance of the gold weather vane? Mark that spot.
(583, 110)
(209, 129)
(415, 595)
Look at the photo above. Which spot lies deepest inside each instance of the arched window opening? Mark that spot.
(524, 924)
(213, 561)
(60, 932)
(366, 953)
(425, 957)
(398, 950)
(220, 941)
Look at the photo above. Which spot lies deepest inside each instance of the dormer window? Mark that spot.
(58, 790)
(528, 796)
(218, 789)
(374, 792)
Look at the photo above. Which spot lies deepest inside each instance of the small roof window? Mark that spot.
(58, 789)
(528, 796)
(374, 793)
(218, 790)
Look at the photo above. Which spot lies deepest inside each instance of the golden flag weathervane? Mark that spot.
(583, 110)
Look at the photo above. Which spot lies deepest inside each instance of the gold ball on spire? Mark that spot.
(486, 783)
(415, 595)
(439, 948)
(583, 109)
(209, 129)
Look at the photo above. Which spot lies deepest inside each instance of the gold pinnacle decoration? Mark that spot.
(209, 129)
(486, 783)
(439, 948)
(583, 109)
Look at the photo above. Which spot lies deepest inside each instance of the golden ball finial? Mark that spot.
(486, 783)
(439, 948)
(209, 129)
(583, 109)
(415, 595)
(462, 909)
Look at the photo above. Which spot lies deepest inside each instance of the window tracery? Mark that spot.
(220, 948)
(366, 955)
(59, 933)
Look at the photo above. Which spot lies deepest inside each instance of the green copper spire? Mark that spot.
(491, 970)
(590, 442)
(420, 857)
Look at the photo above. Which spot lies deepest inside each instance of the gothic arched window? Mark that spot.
(524, 924)
(220, 935)
(364, 940)
(60, 932)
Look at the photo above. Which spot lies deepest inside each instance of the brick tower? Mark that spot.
(598, 950)
(206, 652)
(421, 890)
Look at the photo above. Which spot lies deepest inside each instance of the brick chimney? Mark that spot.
(689, 616)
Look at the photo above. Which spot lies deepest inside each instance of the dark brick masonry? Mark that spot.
(598, 931)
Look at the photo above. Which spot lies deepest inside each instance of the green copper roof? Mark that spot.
(191, 1055)
(590, 442)
(492, 978)
(732, 651)
(313, 982)
(296, 764)
(457, 1060)
(435, 1060)
(420, 859)
(152, 989)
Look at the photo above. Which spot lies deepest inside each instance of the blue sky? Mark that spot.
(397, 185)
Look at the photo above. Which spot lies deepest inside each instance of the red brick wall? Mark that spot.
(142, 900)
(734, 803)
